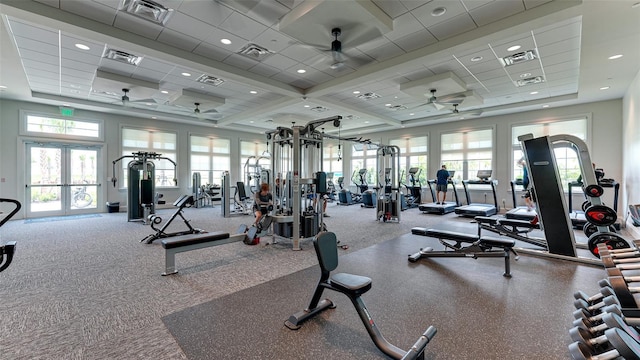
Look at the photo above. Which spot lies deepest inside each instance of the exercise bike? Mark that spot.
(7, 250)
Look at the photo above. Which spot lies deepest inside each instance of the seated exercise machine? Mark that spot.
(518, 212)
(475, 246)
(7, 250)
(182, 202)
(479, 209)
(353, 286)
(436, 208)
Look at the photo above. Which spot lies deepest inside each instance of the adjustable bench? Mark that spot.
(513, 228)
(190, 242)
(476, 246)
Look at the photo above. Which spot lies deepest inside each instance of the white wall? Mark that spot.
(12, 182)
(605, 145)
(631, 147)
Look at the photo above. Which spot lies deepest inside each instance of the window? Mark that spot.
(164, 143)
(566, 157)
(413, 154)
(71, 128)
(210, 157)
(332, 158)
(467, 152)
(363, 157)
(254, 157)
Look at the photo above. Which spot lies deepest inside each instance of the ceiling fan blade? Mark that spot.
(438, 106)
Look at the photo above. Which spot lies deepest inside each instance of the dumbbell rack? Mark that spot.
(606, 324)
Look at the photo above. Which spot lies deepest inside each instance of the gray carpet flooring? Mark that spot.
(86, 288)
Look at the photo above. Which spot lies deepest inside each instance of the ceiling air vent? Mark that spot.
(368, 96)
(255, 52)
(210, 80)
(319, 109)
(148, 10)
(122, 56)
(396, 107)
(519, 58)
(530, 81)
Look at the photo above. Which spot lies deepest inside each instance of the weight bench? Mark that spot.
(190, 242)
(353, 286)
(475, 246)
(513, 228)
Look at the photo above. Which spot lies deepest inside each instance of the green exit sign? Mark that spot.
(66, 111)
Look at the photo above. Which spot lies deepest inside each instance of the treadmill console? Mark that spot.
(484, 175)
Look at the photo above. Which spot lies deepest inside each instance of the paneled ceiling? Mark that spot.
(253, 65)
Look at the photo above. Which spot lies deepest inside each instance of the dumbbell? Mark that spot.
(624, 347)
(622, 264)
(609, 321)
(628, 278)
(582, 316)
(604, 292)
(623, 292)
(595, 308)
(604, 250)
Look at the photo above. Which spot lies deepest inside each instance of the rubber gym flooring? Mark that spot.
(479, 313)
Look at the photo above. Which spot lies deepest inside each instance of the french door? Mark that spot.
(62, 179)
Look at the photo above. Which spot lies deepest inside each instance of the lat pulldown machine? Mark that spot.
(141, 183)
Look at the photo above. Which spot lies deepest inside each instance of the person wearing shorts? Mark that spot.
(442, 178)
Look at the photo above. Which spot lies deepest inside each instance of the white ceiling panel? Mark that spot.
(418, 45)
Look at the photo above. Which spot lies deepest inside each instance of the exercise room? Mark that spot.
(294, 179)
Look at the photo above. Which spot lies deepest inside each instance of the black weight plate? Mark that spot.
(601, 215)
(612, 240)
(586, 205)
(594, 190)
(590, 229)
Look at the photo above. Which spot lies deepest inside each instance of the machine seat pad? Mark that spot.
(519, 223)
(497, 242)
(486, 220)
(419, 231)
(192, 239)
(350, 283)
(451, 235)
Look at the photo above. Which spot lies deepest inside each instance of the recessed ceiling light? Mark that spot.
(356, 92)
(186, 74)
(605, 88)
(545, 105)
(153, 117)
(253, 92)
(251, 121)
(613, 57)
(476, 58)
(82, 47)
(533, 93)
(164, 91)
(514, 48)
(301, 71)
(439, 11)
(387, 104)
(366, 122)
(411, 114)
(525, 75)
(2, 87)
(225, 41)
(307, 106)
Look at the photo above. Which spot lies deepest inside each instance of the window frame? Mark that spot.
(466, 150)
(210, 177)
(24, 126)
(162, 152)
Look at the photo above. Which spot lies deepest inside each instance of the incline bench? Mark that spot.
(189, 242)
(476, 246)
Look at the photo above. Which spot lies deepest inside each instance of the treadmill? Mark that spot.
(518, 212)
(433, 208)
(479, 209)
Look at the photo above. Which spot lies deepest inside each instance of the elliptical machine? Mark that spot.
(414, 196)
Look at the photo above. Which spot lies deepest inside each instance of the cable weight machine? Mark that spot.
(141, 183)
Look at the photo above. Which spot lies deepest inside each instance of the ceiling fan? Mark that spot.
(200, 114)
(444, 101)
(126, 101)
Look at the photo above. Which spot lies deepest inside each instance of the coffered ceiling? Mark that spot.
(396, 63)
